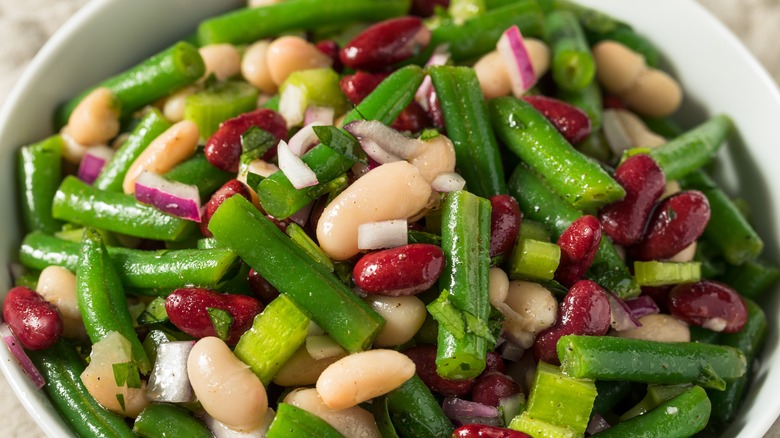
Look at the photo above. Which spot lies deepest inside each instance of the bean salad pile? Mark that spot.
(387, 218)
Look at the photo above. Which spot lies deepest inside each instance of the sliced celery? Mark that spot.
(315, 87)
(208, 108)
(541, 429)
(655, 273)
(534, 260)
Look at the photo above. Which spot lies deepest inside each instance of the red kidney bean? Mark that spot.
(624, 221)
(709, 304)
(404, 270)
(359, 85)
(332, 49)
(505, 218)
(187, 310)
(675, 223)
(426, 8)
(264, 290)
(386, 43)
(569, 120)
(579, 244)
(412, 119)
(230, 188)
(494, 362)
(490, 388)
(584, 311)
(35, 321)
(435, 112)
(424, 358)
(659, 294)
(485, 431)
(223, 149)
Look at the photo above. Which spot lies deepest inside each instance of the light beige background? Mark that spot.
(25, 25)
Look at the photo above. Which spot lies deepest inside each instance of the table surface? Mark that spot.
(25, 27)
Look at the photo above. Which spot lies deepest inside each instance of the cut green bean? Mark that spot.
(251, 24)
(572, 64)
(638, 360)
(656, 395)
(580, 181)
(752, 279)
(160, 420)
(83, 204)
(382, 417)
(591, 20)
(155, 77)
(589, 100)
(197, 171)
(299, 236)
(38, 175)
(293, 422)
(610, 393)
(334, 307)
(148, 128)
(415, 412)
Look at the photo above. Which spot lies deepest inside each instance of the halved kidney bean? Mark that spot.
(505, 218)
(579, 244)
(569, 120)
(674, 224)
(485, 431)
(230, 188)
(404, 270)
(426, 8)
(386, 43)
(424, 358)
(264, 290)
(584, 311)
(332, 49)
(223, 148)
(36, 322)
(412, 119)
(709, 304)
(490, 388)
(187, 309)
(359, 85)
(624, 221)
(494, 362)
(435, 112)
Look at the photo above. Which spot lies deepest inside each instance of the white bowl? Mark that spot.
(718, 75)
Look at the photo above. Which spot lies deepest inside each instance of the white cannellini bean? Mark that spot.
(659, 327)
(437, 157)
(637, 131)
(617, 66)
(303, 370)
(222, 431)
(170, 148)
(529, 308)
(221, 60)
(288, 54)
(363, 376)
(72, 150)
(57, 285)
(95, 120)
(493, 75)
(499, 286)
(99, 379)
(654, 94)
(539, 54)
(403, 317)
(173, 107)
(255, 69)
(391, 191)
(226, 388)
(686, 255)
(354, 422)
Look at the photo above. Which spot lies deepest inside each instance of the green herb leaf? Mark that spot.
(121, 399)
(342, 142)
(255, 142)
(710, 379)
(478, 327)
(221, 320)
(154, 313)
(447, 315)
(126, 374)
(253, 179)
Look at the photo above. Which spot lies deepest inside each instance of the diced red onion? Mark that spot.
(304, 139)
(597, 424)
(515, 55)
(323, 115)
(615, 133)
(511, 351)
(220, 430)
(301, 216)
(448, 182)
(294, 168)
(642, 305)
(376, 153)
(169, 381)
(292, 105)
(384, 234)
(16, 349)
(469, 412)
(258, 167)
(385, 138)
(622, 319)
(510, 406)
(178, 199)
(93, 161)
(441, 55)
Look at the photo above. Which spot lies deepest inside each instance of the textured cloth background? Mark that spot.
(26, 25)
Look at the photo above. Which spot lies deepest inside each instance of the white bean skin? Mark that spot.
(173, 107)
(226, 388)
(493, 75)
(391, 191)
(170, 148)
(437, 157)
(686, 255)
(288, 54)
(363, 376)
(354, 422)
(659, 327)
(222, 60)
(303, 370)
(499, 286)
(617, 66)
(95, 120)
(57, 285)
(255, 69)
(403, 318)
(531, 309)
(637, 130)
(654, 94)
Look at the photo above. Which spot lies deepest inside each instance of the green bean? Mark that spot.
(610, 393)
(589, 100)
(629, 38)
(293, 422)
(382, 417)
(199, 172)
(78, 202)
(468, 126)
(148, 128)
(683, 415)
(61, 367)
(572, 64)
(169, 269)
(38, 175)
(415, 412)
(752, 279)
(155, 77)
(333, 306)
(727, 229)
(160, 420)
(251, 24)
(102, 300)
(638, 360)
(580, 181)
(591, 20)
(693, 149)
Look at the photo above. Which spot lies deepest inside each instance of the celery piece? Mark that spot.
(541, 429)
(534, 260)
(655, 273)
(315, 87)
(275, 335)
(299, 236)
(208, 108)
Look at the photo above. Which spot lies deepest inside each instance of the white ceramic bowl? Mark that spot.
(717, 72)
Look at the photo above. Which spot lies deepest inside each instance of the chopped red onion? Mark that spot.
(511, 351)
(515, 55)
(294, 168)
(16, 349)
(441, 55)
(384, 234)
(448, 182)
(622, 319)
(597, 424)
(292, 104)
(93, 161)
(322, 115)
(178, 199)
(304, 139)
(301, 216)
(642, 305)
(386, 138)
(376, 153)
(169, 381)
(258, 167)
(615, 133)
(468, 412)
